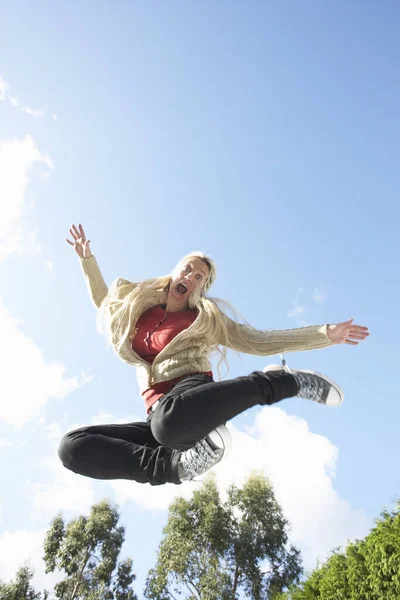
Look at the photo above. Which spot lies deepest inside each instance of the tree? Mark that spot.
(21, 588)
(87, 551)
(369, 569)
(213, 550)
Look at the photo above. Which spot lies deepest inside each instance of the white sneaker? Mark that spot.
(205, 454)
(313, 386)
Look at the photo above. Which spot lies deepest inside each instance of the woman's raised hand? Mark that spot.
(80, 243)
(347, 333)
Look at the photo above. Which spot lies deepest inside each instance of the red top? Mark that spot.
(155, 329)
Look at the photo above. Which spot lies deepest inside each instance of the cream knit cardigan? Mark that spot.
(189, 352)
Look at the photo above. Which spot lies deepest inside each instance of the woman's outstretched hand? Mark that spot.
(80, 243)
(347, 333)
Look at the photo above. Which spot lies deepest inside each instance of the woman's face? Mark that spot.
(188, 277)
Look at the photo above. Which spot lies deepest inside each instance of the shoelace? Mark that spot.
(198, 459)
(311, 388)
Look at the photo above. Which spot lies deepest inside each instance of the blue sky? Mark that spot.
(265, 134)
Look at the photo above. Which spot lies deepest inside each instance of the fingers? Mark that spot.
(359, 335)
(354, 330)
(355, 334)
(354, 337)
(349, 325)
(79, 242)
(348, 333)
(82, 232)
(363, 331)
(78, 233)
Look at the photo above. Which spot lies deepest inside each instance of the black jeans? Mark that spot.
(149, 452)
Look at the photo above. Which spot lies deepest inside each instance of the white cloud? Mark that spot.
(54, 117)
(49, 265)
(16, 547)
(5, 93)
(17, 158)
(319, 295)
(15, 102)
(21, 546)
(299, 309)
(65, 491)
(103, 417)
(302, 467)
(54, 432)
(4, 88)
(34, 112)
(151, 498)
(44, 175)
(28, 380)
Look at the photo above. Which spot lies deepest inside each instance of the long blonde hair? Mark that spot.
(115, 314)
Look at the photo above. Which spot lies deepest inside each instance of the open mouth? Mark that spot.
(181, 289)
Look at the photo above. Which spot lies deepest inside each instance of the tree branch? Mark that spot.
(75, 590)
(195, 588)
(235, 582)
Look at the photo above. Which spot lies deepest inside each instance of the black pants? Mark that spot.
(148, 452)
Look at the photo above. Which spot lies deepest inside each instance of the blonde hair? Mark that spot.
(115, 314)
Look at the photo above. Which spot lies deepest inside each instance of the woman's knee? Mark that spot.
(161, 433)
(166, 427)
(68, 451)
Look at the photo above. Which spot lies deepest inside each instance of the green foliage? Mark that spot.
(368, 569)
(21, 588)
(87, 551)
(215, 550)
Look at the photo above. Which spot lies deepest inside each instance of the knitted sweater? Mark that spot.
(189, 351)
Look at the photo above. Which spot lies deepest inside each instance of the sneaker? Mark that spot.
(313, 386)
(205, 454)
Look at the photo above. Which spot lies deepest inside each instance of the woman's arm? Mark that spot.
(95, 283)
(94, 279)
(244, 338)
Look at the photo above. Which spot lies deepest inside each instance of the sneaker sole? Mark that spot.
(221, 437)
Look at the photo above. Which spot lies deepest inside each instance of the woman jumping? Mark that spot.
(167, 328)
